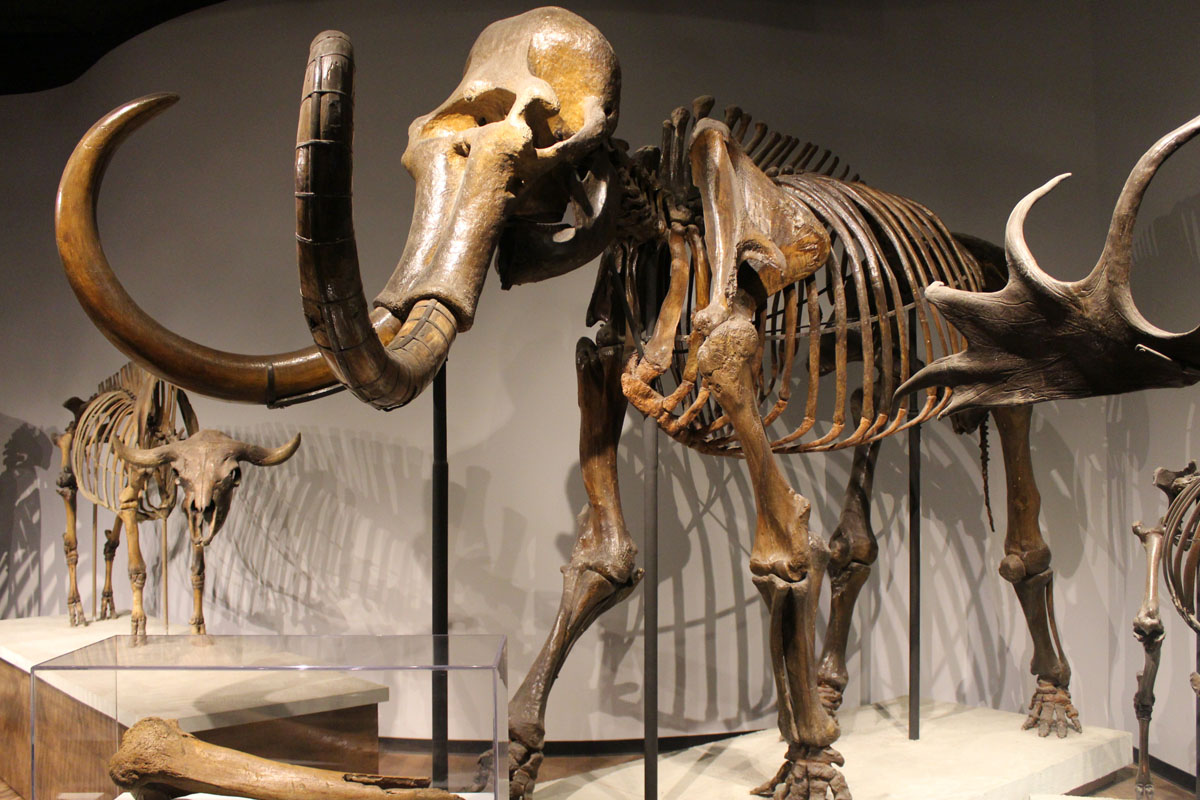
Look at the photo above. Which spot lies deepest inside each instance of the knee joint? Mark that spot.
(1019, 566)
(852, 545)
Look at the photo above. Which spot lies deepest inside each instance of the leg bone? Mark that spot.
(1148, 630)
(601, 572)
(787, 561)
(158, 760)
(1027, 566)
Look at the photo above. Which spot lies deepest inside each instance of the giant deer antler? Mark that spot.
(1040, 338)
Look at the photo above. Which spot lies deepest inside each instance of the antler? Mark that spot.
(1040, 338)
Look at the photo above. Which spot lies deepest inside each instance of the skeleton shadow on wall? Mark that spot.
(26, 450)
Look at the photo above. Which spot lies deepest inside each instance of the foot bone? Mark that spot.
(809, 773)
(1051, 708)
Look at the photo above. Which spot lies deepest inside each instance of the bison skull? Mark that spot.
(207, 470)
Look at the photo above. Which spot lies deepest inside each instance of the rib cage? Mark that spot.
(112, 414)
(1181, 551)
(860, 308)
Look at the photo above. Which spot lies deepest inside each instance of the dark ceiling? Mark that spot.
(53, 42)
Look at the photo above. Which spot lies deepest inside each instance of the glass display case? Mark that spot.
(383, 711)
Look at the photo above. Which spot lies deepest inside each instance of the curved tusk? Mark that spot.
(268, 379)
(385, 373)
(144, 458)
(269, 457)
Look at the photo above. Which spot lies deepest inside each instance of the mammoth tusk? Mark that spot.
(157, 759)
(386, 376)
(144, 458)
(267, 379)
(269, 457)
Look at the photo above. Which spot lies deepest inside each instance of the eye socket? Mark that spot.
(235, 476)
(462, 114)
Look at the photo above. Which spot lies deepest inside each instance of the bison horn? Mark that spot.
(144, 458)
(269, 457)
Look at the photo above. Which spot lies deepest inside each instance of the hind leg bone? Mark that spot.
(1026, 565)
(853, 550)
(67, 489)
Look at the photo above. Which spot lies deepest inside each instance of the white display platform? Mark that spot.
(206, 796)
(230, 697)
(32, 640)
(963, 754)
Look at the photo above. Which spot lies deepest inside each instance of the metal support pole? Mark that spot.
(650, 582)
(95, 558)
(914, 567)
(1197, 787)
(441, 584)
(166, 611)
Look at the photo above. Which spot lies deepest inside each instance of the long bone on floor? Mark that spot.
(158, 760)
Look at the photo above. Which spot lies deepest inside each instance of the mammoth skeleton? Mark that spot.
(732, 264)
(122, 451)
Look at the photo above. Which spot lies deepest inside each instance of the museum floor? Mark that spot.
(563, 766)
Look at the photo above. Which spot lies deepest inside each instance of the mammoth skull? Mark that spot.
(522, 138)
(207, 468)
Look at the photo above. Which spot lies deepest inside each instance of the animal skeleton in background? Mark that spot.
(727, 263)
(122, 451)
(1168, 541)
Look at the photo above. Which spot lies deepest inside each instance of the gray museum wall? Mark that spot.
(964, 106)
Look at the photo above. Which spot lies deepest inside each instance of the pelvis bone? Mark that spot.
(1043, 339)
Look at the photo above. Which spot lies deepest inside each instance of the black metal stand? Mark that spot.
(914, 582)
(650, 584)
(914, 565)
(441, 584)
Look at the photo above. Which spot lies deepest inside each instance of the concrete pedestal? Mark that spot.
(963, 754)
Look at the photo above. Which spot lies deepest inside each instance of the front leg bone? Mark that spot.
(158, 760)
(788, 563)
(1148, 630)
(601, 572)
